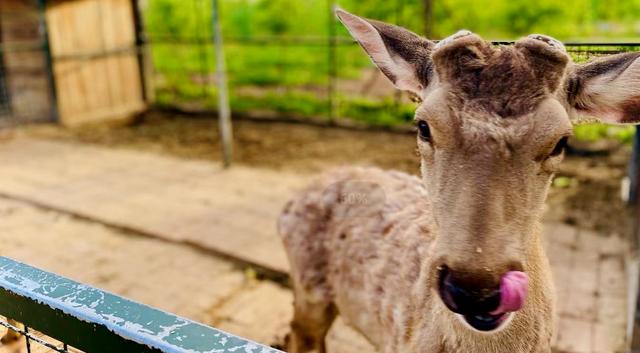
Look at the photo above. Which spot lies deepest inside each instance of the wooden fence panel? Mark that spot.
(94, 60)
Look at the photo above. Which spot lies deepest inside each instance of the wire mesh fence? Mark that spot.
(5, 107)
(323, 76)
(25, 89)
(68, 313)
(21, 339)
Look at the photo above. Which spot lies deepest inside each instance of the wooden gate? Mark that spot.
(95, 62)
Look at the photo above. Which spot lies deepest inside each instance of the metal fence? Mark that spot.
(26, 89)
(68, 314)
(5, 107)
(325, 78)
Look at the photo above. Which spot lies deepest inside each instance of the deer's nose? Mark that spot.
(467, 297)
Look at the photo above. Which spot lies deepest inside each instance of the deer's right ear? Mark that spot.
(606, 88)
(403, 56)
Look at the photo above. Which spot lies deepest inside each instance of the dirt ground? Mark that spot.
(44, 218)
(586, 192)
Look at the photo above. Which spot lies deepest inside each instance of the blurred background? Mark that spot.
(111, 154)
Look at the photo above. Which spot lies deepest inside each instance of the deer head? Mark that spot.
(492, 127)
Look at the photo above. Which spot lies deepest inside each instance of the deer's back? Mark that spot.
(356, 237)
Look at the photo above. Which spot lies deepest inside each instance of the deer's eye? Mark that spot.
(560, 147)
(423, 131)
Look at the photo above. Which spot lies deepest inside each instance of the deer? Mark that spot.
(452, 261)
(10, 335)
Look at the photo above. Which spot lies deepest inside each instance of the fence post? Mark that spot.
(202, 45)
(634, 203)
(145, 62)
(428, 18)
(46, 49)
(332, 63)
(634, 189)
(224, 111)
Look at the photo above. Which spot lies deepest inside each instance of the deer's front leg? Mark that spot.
(11, 335)
(310, 325)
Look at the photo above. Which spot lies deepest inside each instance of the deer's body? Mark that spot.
(373, 264)
(452, 262)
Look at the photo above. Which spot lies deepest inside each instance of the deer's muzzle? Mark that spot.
(484, 309)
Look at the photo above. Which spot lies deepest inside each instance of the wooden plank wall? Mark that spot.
(94, 60)
(24, 61)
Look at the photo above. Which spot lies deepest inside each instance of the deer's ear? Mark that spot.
(403, 56)
(607, 89)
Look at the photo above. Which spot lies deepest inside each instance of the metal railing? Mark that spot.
(72, 314)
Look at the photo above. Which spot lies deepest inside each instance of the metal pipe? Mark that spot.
(46, 48)
(332, 62)
(224, 117)
(634, 203)
(341, 40)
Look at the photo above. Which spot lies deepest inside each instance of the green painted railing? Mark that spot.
(95, 321)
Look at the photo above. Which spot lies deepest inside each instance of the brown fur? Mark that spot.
(606, 88)
(507, 81)
(11, 336)
(368, 244)
(375, 263)
(409, 46)
(630, 110)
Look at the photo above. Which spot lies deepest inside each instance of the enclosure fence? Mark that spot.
(26, 89)
(73, 317)
(315, 78)
(325, 79)
(318, 78)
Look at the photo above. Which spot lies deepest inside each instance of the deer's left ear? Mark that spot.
(607, 89)
(401, 55)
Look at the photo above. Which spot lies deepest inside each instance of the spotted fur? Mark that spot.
(369, 244)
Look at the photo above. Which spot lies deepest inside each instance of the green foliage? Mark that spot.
(380, 112)
(296, 103)
(564, 182)
(594, 132)
(293, 78)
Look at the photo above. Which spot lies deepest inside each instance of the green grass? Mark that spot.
(597, 131)
(283, 74)
(292, 79)
(289, 80)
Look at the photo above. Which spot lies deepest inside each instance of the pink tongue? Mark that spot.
(513, 292)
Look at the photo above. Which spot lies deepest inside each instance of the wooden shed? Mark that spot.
(72, 60)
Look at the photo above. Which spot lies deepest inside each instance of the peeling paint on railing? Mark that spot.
(131, 324)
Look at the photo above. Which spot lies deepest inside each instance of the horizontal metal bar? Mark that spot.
(96, 321)
(9, 47)
(8, 15)
(583, 44)
(602, 44)
(32, 45)
(275, 40)
(261, 40)
(323, 40)
(32, 337)
(97, 54)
